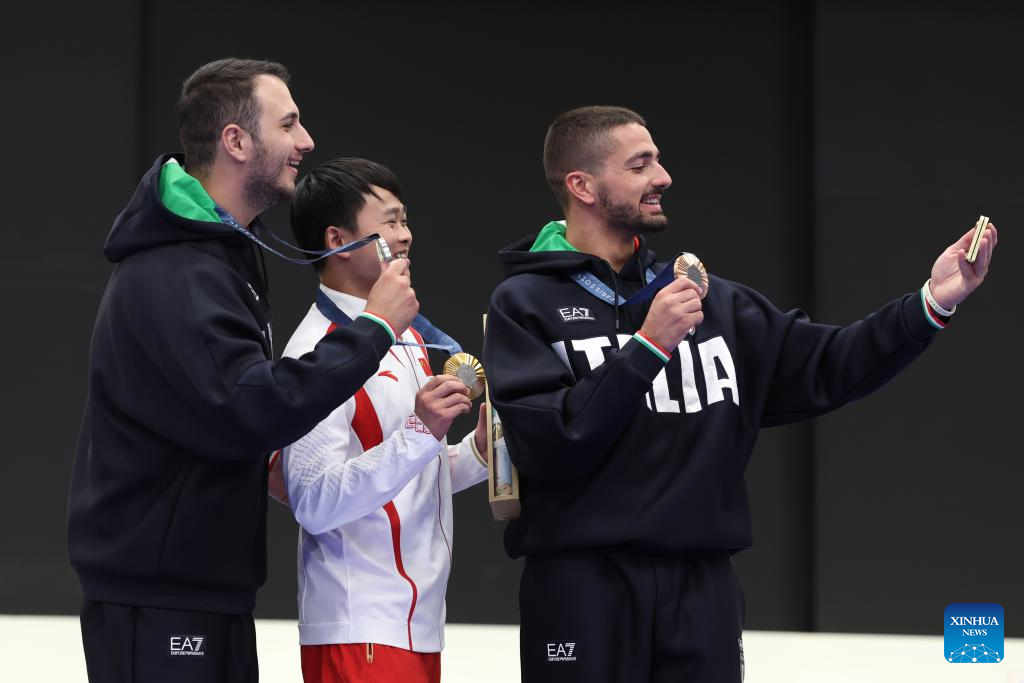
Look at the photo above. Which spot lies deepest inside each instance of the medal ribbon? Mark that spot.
(594, 286)
(435, 337)
(228, 219)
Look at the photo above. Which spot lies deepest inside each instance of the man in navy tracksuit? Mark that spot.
(631, 423)
(168, 501)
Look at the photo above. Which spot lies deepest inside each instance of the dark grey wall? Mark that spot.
(823, 157)
(918, 127)
(72, 126)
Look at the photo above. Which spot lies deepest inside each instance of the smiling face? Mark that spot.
(384, 214)
(280, 144)
(631, 182)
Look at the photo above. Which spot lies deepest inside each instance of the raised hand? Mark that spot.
(953, 278)
(675, 310)
(392, 296)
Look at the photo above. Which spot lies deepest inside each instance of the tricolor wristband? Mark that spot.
(382, 322)
(927, 289)
(652, 346)
(937, 316)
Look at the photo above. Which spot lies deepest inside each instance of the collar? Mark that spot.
(552, 238)
(350, 305)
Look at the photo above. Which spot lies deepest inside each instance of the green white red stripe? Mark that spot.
(653, 347)
(382, 322)
(937, 321)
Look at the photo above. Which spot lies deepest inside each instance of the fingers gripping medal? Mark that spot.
(689, 266)
(467, 370)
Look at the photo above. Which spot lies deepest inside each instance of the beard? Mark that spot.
(627, 217)
(263, 187)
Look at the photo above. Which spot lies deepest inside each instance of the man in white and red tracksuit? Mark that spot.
(632, 422)
(371, 485)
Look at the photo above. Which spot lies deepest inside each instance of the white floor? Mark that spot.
(49, 648)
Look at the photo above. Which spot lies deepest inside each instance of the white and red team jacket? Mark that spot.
(372, 490)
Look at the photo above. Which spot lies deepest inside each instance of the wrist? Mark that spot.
(421, 426)
(652, 346)
(383, 322)
(939, 308)
(937, 315)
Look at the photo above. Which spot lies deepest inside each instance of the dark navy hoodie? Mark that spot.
(618, 450)
(168, 496)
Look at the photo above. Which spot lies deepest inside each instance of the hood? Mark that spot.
(168, 206)
(549, 253)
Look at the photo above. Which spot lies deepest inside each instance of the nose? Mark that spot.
(404, 236)
(661, 178)
(304, 141)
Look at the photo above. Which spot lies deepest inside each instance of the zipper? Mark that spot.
(369, 653)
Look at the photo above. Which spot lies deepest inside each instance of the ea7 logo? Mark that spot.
(187, 646)
(561, 652)
(572, 314)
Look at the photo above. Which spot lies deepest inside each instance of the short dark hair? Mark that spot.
(333, 193)
(216, 95)
(579, 140)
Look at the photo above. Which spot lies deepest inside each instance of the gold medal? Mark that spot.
(467, 370)
(689, 266)
(383, 252)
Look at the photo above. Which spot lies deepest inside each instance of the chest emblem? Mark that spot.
(572, 314)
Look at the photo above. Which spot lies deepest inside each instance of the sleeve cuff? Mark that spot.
(471, 438)
(416, 432)
(653, 347)
(643, 358)
(377, 335)
(938, 318)
(915, 318)
(382, 322)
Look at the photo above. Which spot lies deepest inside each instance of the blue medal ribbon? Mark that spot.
(231, 221)
(594, 286)
(435, 337)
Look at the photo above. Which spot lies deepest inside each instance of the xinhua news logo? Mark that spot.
(974, 633)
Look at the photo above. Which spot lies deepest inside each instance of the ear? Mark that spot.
(336, 237)
(236, 142)
(582, 187)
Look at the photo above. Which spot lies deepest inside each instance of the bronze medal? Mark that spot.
(689, 266)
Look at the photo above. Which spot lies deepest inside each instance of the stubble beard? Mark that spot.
(626, 217)
(262, 186)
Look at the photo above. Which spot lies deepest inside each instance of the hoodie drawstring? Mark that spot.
(615, 284)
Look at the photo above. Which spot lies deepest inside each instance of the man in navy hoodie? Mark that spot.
(167, 509)
(632, 422)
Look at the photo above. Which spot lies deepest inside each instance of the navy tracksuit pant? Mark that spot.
(615, 618)
(126, 644)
